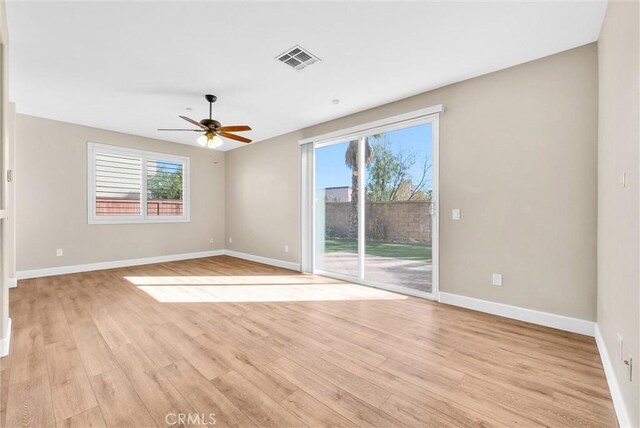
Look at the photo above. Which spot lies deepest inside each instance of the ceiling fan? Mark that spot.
(212, 129)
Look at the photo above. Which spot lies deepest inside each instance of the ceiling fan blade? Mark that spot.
(235, 128)
(194, 122)
(182, 129)
(234, 137)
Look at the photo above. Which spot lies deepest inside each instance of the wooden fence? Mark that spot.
(131, 207)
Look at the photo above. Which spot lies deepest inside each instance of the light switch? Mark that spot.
(455, 214)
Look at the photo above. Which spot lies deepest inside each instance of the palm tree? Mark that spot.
(351, 160)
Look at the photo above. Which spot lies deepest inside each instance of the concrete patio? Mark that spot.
(412, 274)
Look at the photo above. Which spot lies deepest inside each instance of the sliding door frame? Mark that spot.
(308, 196)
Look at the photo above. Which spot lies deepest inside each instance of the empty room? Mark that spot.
(319, 213)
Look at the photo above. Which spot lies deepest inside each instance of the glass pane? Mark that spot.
(399, 186)
(336, 212)
(118, 185)
(164, 188)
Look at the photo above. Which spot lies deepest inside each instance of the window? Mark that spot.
(135, 186)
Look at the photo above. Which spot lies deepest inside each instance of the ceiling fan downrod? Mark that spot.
(212, 99)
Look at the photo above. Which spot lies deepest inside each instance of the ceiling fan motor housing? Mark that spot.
(210, 123)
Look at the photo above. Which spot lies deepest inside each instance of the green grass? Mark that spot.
(420, 252)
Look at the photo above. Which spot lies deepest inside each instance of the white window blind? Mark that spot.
(135, 186)
(118, 185)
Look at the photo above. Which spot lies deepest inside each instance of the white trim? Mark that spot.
(12, 282)
(62, 270)
(5, 342)
(366, 127)
(624, 419)
(435, 203)
(264, 260)
(95, 148)
(362, 215)
(547, 319)
(312, 185)
(307, 206)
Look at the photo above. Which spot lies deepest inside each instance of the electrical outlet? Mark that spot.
(286, 248)
(497, 279)
(210, 240)
(455, 214)
(59, 252)
(620, 348)
(230, 240)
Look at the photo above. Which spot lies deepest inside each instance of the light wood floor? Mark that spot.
(126, 347)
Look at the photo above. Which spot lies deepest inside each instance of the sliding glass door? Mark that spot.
(374, 211)
(336, 216)
(398, 220)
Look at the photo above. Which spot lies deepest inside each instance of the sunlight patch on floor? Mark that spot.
(265, 293)
(231, 280)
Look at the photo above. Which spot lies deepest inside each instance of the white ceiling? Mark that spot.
(134, 67)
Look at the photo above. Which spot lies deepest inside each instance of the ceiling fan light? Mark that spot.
(203, 139)
(214, 142)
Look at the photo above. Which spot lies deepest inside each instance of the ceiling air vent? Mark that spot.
(297, 58)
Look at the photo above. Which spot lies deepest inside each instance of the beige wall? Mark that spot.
(263, 204)
(52, 200)
(618, 212)
(518, 157)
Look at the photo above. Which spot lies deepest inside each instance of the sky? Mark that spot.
(168, 166)
(332, 172)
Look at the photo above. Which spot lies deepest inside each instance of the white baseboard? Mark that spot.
(547, 319)
(624, 419)
(13, 282)
(264, 260)
(5, 342)
(61, 270)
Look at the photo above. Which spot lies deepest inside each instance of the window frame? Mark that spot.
(94, 148)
